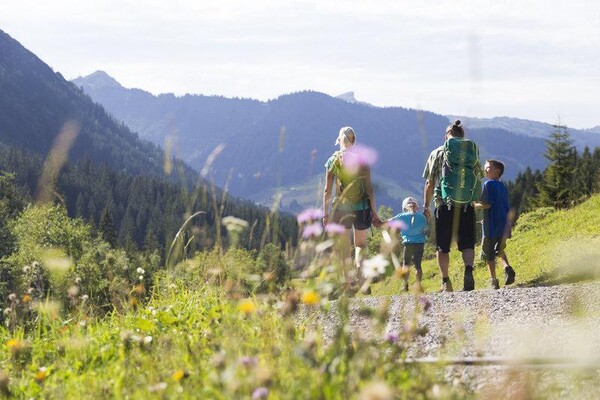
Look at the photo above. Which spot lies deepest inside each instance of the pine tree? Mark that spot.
(586, 173)
(107, 228)
(556, 187)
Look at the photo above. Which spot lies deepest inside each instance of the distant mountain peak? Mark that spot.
(350, 98)
(98, 79)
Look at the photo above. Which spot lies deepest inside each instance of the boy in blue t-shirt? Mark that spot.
(496, 223)
(414, 227)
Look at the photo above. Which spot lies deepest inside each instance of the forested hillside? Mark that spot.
(106, 168)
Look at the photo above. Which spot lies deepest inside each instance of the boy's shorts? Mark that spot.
(360, 219)
(413, 254)
(490, 248)
(445, 219)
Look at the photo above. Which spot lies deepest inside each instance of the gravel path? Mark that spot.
(560, 322)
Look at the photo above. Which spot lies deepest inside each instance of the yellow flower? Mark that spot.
(179, 375)
(247, 307)
(310, 297)
(26, 298)
(13, 344)
(41, 374)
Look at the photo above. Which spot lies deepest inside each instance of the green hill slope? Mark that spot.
(548, 247)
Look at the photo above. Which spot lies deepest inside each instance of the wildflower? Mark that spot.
(373, 267)
(376, 391)
(41, 375)
(359, 156)
(247, 307)
(84, 297)
(310, 214)
(425, 302)
(12, 297)
(26, 298)
(391, 337)
(26, 269)
(13, 344)
(321, 247)
(312, 230)
(73, 291)
(260, 393)
(249, 361)
(147, 340)
(77, 280)
(140, 271)
(158, 387)
(7, 310)
(310, 297)
(179, 375)
(395, 225)
(234, 224)
(141, 277)
(333, 228)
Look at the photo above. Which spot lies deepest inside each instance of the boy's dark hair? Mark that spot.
(456, 130)
(499, 165)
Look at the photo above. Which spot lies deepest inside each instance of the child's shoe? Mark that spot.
(509, 275)
(469, 281)
(494, 284)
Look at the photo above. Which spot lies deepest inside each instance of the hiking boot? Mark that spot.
(509, 275)
(494, 284)
(405, 286)
(469, 281)
(446, 286)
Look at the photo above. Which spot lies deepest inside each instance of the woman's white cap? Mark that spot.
(348, 133)
(407, 201)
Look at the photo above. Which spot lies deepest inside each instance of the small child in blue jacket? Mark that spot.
(414, 228)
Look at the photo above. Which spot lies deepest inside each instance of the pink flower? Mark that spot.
(334, 229)
(359, 156)
(395, 225)
(260, 393)
(391, 337)
(310, 214)
(315, 230)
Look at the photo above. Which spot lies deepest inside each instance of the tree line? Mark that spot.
(570, 177)
(145, 212)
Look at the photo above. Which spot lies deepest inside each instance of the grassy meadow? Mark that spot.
(87, 321)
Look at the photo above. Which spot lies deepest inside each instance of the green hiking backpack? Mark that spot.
(460, 182)
(350, 188)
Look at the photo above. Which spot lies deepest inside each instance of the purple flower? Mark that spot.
(359, 156)
(310, 214)
(425, 302)
(249, 361)
(395, 225)
(315, 230)
(391, 337)
(260, 393)
(334, 229)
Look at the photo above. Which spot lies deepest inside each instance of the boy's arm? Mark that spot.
(480, 205)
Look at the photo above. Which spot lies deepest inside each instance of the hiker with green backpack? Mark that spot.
(354, 203)
(453, 179)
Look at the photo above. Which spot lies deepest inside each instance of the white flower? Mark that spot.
(141, 277)
(373, 267)
(140, 271)
(148, 340)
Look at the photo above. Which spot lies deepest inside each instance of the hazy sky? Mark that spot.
(529, 59)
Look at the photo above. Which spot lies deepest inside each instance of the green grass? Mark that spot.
(548, 247)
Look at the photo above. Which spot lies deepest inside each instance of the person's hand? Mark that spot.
(426, 211)
(376, 221)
